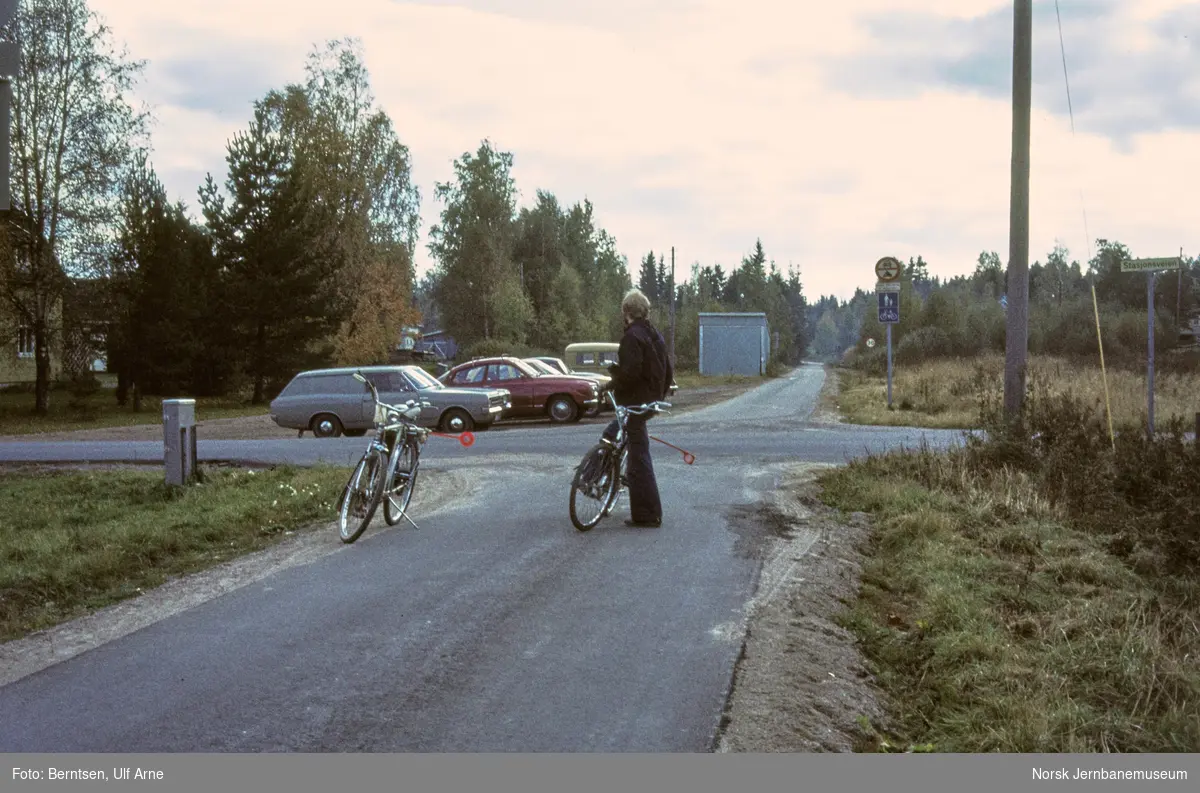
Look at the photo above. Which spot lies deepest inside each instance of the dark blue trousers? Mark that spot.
(644, 502)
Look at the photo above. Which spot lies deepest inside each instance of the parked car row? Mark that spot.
(330, 402)
(472, 395)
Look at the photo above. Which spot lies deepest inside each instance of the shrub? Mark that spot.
(924, 344)
(1140, 491)
(486, 348)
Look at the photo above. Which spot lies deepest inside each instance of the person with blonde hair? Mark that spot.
(643, 373)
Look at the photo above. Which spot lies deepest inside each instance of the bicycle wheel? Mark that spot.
(593, 487)
(361, 498)
(614, 495)
(401, 483)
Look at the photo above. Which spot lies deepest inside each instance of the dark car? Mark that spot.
(534, 394)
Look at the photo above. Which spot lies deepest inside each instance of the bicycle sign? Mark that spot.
(889, 307)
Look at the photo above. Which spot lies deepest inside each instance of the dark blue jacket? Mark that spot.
(643, 371)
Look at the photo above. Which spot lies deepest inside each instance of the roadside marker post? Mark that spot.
(179, 440)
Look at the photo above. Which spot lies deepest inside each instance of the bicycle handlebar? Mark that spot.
(649, 407)
(637, 410)
(393, 408)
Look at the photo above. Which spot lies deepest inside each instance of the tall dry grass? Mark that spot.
(945, 393)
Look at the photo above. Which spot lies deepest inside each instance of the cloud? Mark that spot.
(224, 87)
(619, 15)
(835, 132)
(1127, 74)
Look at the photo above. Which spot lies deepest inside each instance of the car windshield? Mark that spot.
(524, 368)
(421, 378)
(542, 367)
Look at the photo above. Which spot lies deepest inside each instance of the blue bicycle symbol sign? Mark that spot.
(889, 307)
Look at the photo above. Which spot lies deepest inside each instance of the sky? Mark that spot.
(835, 132)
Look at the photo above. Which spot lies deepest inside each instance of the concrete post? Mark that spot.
(179, 440)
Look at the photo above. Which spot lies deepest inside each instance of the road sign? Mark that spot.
(888, 269)
(1144, 265)
(887, 286)
(889, 307)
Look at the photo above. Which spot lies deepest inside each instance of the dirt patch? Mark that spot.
(801, 684)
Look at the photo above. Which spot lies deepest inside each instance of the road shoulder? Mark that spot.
(802, 684)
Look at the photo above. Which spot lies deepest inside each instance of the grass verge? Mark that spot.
(75, 541)
(99, 409)
(998, 619)
(943, 394)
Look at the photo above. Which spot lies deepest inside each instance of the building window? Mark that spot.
(24, 342)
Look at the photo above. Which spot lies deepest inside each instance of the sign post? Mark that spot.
(888, 271)
(1150, 267)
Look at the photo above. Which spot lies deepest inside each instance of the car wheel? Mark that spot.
(326, 425)
(457, 420)
(562, 409)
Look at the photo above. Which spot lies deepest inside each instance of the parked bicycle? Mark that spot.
(600, 476)
(387, 472)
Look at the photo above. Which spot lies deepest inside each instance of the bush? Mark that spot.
(869, 360)
(487, 348)
(1139, 491)
(924, 344)
(82, 387)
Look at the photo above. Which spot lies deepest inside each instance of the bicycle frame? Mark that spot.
(388, 419)
(623, 413)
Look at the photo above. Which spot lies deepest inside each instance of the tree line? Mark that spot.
(534, 280)
(304, 255)
(964, 316)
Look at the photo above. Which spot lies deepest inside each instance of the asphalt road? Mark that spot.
(494, 626)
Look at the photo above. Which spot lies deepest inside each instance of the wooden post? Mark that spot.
(1017, 330)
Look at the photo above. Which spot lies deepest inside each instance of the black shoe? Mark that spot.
(643, 524)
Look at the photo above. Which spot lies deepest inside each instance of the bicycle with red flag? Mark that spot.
(600, 476)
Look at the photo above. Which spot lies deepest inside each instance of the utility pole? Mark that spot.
(1017, 330)
(672, 305)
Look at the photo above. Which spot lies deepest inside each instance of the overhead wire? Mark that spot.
(1071, 112)
(1087, 236)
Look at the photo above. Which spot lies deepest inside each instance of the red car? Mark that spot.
(533, 394)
